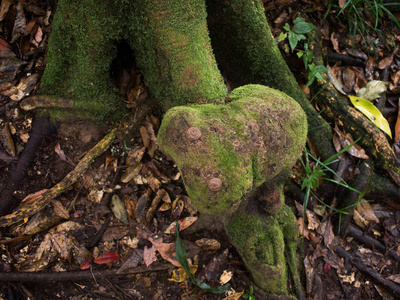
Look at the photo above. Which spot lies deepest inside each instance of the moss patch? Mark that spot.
(245, 143)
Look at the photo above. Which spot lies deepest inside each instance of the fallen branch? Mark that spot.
(26, 211)
(77, 275)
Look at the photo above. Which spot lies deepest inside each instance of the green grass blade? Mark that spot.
(181, 257)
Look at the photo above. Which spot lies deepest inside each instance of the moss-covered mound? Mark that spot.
(225, 151)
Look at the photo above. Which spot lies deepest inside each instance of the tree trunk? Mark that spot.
(239, 145)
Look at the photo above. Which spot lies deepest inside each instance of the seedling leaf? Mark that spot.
(372, 113)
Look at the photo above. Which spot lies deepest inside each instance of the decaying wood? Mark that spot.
(26, 211)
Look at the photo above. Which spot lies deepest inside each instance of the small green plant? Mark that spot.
(363, 15)
(315, 174)
(250, 294)
(181, 257)
(297, 34)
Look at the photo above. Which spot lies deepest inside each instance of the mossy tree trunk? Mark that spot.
(172, 47)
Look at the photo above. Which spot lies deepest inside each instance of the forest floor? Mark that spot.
(111, 235)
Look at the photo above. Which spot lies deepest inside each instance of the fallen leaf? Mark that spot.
(131, 172)
(145, 136)
(365, 209)
(60, 152)
(5, 5)
(225, 277)
(118, 209)
(333, 79)
(4, 46)
(386, 62)
(180, 275)
(234, 296)
(335, 42)
(60, 210)
(86, 263)
(31, 198)
(373, 90)
(183, 224)
(345, 140)
(208, 244)
(372, 113)
(107, 257)
(149, 255)
(394, 278)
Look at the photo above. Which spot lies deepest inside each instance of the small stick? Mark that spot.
(26, 211)
(77, 275)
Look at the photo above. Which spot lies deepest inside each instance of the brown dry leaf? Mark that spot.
(359, 220)
(183, 224)
(29, 27)
(329, 236)
(60, 210)
(149, 255)
(310, 274)
(20, 22)
(225, 277)
(5, 5)
(281, 18)
(394, 278)
(161, 194)
(61, 243)
(151, 149)
(345, 139)
(109, 159)
(313, 221)
(38, 37)
(208, 244)
(189, 205)
(33, 197)
(7, 140)
(342, 3)
(349, 79)
(370, 68)
(386, 62)
(365, 209)
(153, 182)
(165, 206)
(25, 86)
(177, 208)
(167, 250)
(234, 296)
(118, 209)
(135, 155)
(302, 231)
(145, 136)
(335, 42)
(131, 172)
(60, 152)
(130, 205)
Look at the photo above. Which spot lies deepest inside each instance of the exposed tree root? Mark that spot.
(357, 262)
(351, 198)
(337, 107)
(40, 128)
(360, 236)
(26, 211)
(44, 101)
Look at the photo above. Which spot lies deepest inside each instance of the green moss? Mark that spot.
(261, 243)
(245, 143)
